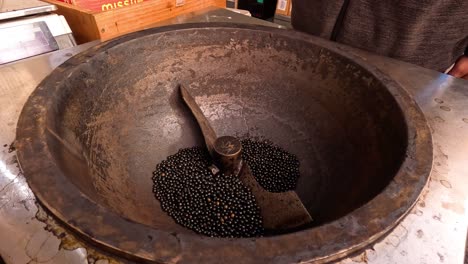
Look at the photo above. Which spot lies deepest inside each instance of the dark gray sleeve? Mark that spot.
(315, 17)
(429, 33)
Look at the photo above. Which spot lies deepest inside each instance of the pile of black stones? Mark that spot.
(220, 205)
(275, 169)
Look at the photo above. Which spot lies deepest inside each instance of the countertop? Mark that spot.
(18, 8)
(434, 232)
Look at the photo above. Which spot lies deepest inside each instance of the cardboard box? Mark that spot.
(282, 8)
(88, 25)
(101, 5)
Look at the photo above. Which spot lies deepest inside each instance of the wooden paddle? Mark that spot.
(280, 211)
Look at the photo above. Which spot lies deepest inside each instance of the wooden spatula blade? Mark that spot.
(207, 131)
(280, 211)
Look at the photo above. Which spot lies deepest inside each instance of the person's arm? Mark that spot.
(460, 69)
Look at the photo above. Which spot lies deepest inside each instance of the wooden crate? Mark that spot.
(101, 5)
(88, 25)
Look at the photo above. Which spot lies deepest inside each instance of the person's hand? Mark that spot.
(460, 69)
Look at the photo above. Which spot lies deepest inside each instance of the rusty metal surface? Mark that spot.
(23, 238)
(435, 231)
(114, 120)
(215, 14)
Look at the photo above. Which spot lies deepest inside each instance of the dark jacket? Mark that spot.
(430, 33)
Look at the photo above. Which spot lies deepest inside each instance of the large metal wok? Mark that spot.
(91, 134)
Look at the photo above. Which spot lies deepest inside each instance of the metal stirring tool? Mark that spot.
(280, 211)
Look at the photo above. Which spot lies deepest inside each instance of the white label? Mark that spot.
(282, 5)
(179, 2)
